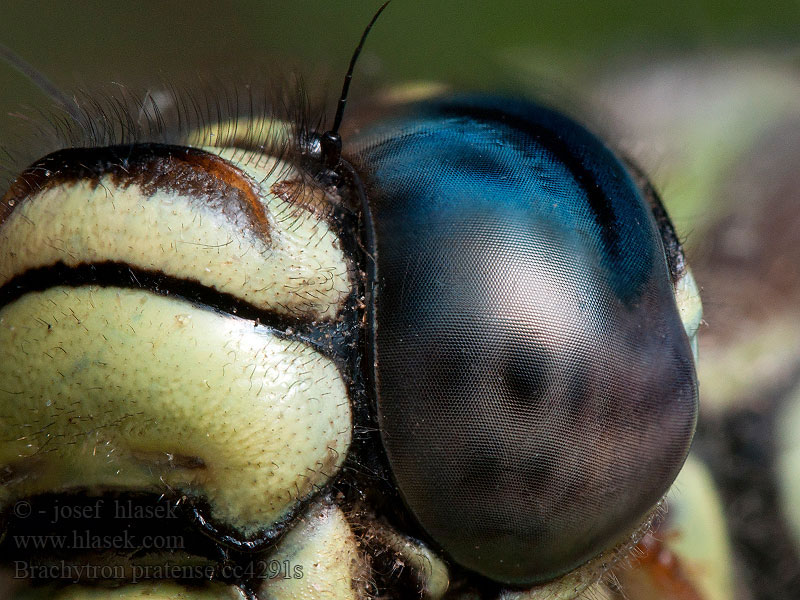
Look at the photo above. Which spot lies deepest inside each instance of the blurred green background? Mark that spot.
(461, 41)
(562, 51)
(567, 52)
(705, 95)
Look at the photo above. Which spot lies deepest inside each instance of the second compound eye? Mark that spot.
(536, 391)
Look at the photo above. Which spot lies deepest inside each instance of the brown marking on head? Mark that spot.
(202, 176)
(658, 572)
(306, 196)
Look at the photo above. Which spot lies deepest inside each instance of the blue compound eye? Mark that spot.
(535, 388)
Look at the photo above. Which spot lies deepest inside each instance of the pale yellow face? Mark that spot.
(187, 353)
(127, 389)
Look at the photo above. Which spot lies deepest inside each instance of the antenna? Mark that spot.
(43, 83)
(331, 141)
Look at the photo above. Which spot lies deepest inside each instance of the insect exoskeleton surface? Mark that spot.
(174, 321)
(465, 348)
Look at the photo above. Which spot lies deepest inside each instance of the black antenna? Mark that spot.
(43, 83)
(331, 141)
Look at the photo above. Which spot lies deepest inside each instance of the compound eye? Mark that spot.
(536, 390)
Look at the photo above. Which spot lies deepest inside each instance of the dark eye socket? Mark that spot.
(536, 391)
